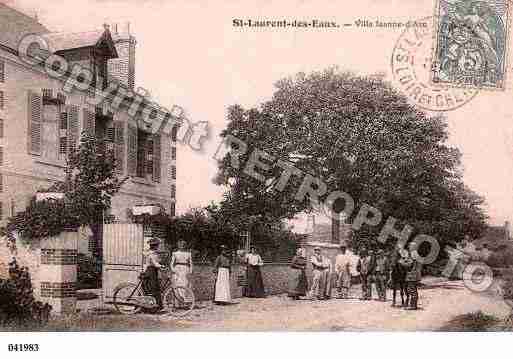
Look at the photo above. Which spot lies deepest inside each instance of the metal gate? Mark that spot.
(123, 246)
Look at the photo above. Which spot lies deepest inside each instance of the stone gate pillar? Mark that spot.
(58, 272)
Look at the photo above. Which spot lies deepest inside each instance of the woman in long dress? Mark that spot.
(255, 283)
(181, 266)
(298, 286)
(222, 269)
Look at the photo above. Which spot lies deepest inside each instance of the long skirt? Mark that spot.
(181, 278)
(298, 285)
(151, 284)
(255, 285)
(222, 291)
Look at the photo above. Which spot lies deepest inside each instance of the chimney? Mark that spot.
(123, 68)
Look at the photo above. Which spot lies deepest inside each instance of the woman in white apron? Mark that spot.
(222, 271)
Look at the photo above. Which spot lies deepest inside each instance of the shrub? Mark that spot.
(18, 307)
(88, 273)
(471, 322)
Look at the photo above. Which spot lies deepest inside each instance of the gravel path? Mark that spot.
(440, 302)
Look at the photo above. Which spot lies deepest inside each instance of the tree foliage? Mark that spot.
(89, 184)
(359, 135)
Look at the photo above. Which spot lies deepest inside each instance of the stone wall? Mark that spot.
(52, 264)
(275, 276)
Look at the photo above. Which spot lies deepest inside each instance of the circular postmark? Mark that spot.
(412, 71)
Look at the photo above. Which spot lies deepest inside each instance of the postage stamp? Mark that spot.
(471, 43)
(411, 65)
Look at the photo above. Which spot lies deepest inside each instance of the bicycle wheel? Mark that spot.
(124, 294)
(179, 301)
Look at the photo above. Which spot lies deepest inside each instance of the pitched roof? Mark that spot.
(14, 25)
(60, 41)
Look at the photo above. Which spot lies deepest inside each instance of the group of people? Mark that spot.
(180, 269)
(398, 270)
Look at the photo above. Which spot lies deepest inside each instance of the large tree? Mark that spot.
(359, 135)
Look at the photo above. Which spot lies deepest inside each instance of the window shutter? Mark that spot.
(35, 114)
(132, 151)
(157, 158)
(2, 71)
(88, 122)
(148, 156)
(72, 131)
(63, 133)
(119, 146)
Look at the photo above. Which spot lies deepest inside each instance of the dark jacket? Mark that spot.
(366, 265)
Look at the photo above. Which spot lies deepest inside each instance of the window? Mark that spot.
(173, 172)
(2, 71)
(142, 153)
(148, 156)
(1, 100)
(1, 156)
(173, 191)
(1, 211)
(1, 183)
(1, 128)
(174, 133)
(173, 153)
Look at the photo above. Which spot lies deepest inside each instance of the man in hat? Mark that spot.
(343, 270)
(318, 290)
(365, 267)
(151, 271)
(381, 274)
(413, 276)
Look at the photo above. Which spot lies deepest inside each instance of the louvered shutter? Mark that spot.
(157, 148)
(132, 151)
(88, 122)
(119, 146)
(63, 133)
(35, 114)
(148, 156)
(72, 133)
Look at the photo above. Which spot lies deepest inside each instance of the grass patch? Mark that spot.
(118, 323)
(471, 322)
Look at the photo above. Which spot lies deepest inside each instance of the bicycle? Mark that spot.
(129, 298)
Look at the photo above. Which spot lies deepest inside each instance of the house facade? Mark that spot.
(40, 123)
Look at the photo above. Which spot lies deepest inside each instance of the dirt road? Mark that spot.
(440, 302)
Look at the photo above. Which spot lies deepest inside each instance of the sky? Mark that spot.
(189, 54)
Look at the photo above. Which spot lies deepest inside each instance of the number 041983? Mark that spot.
(23, 347)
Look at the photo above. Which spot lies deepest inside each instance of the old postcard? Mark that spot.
(305, 166)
